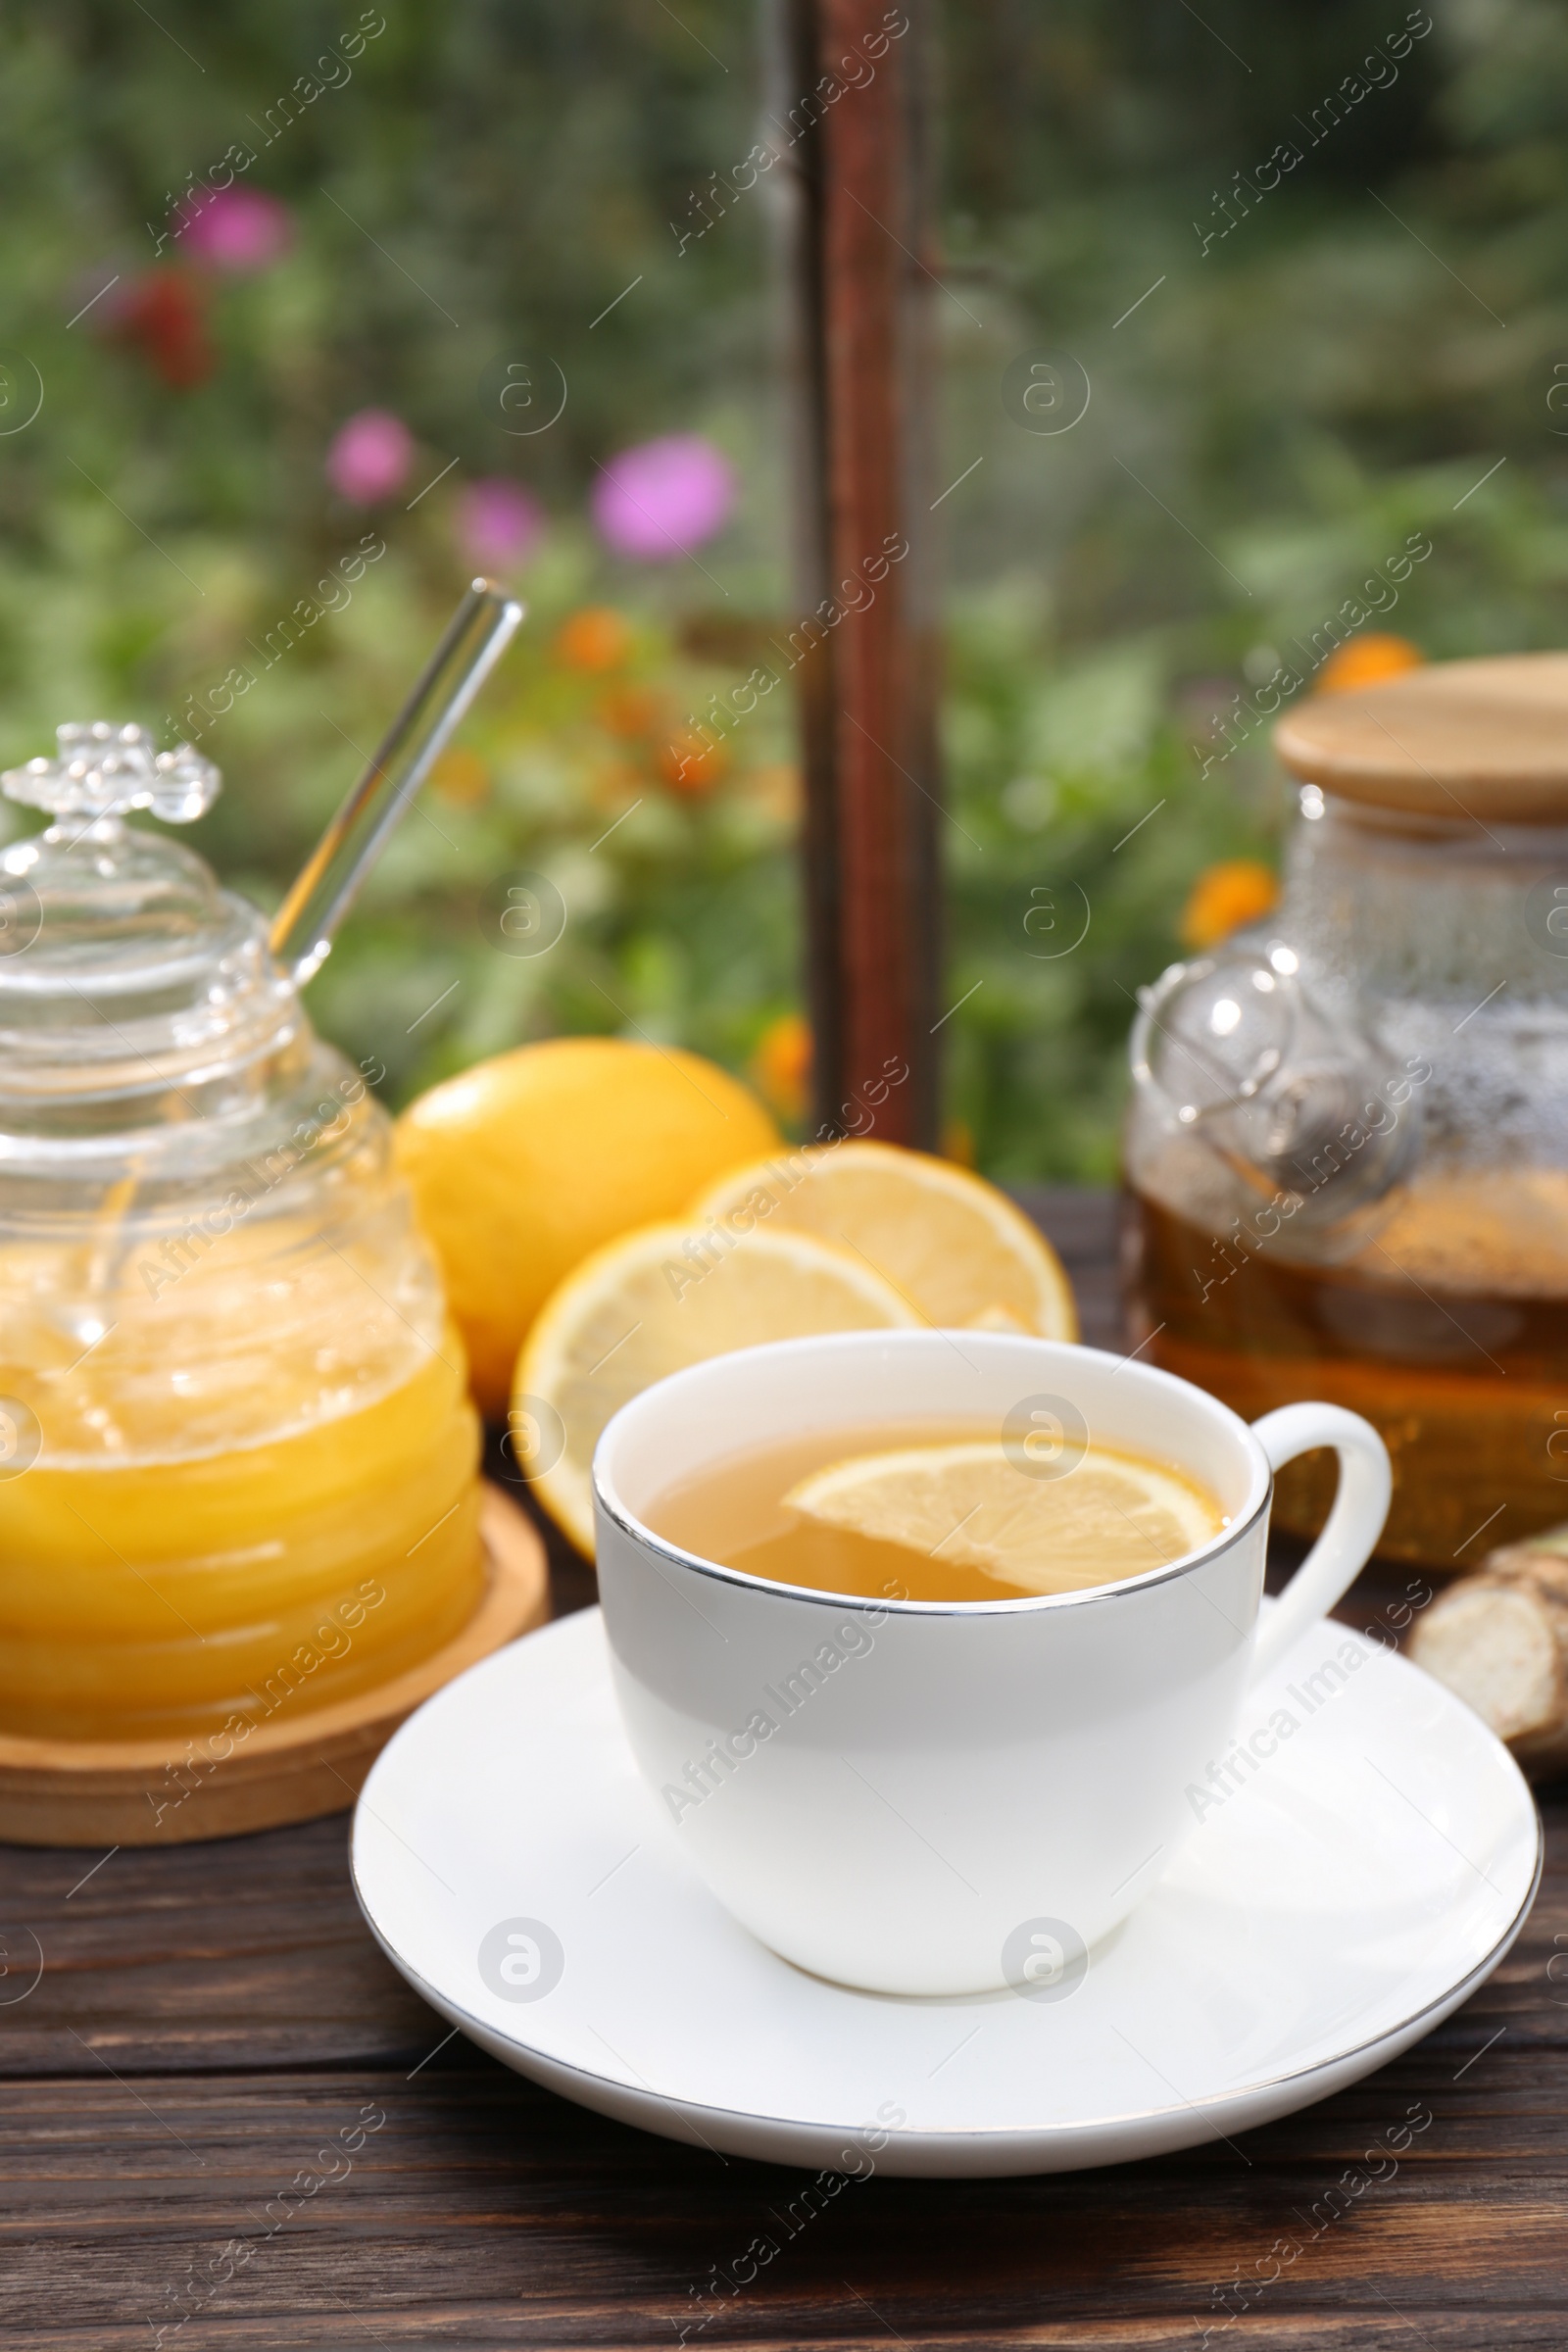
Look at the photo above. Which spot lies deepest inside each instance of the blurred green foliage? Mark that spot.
(1272, 416)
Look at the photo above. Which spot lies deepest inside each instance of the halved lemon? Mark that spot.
(955, 1248)
(1111, 1516)
(660, 1298)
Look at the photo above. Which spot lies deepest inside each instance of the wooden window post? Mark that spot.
(851, 112)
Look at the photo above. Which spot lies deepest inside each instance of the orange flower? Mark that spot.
(1236, 891)
(462, 777)
(631, 711)
(691, 764)
(596, 638)
(1366, 659)
(781, 1067)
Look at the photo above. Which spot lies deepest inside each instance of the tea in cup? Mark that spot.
(944, 1766)
(939, 1510)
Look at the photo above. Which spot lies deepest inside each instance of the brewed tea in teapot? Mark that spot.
(1348, 1145)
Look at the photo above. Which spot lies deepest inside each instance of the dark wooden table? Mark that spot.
(207, 2020)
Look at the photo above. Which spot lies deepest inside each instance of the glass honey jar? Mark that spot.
(1347, 1152)
(238, 1467)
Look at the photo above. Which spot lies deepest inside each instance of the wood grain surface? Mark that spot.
(192, 2037)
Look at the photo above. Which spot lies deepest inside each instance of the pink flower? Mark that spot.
(370, 457)
(238, 229)
(663, 498)
(499, 523)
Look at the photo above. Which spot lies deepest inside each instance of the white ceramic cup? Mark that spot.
(923, 1797)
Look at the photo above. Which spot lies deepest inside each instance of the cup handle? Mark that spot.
(1354, 1524)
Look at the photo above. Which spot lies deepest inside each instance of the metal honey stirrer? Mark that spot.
(481, 628)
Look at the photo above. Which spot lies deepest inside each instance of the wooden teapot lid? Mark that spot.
(1482, 739)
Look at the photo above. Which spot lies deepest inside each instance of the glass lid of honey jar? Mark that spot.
(237, 1461)
(1347, 1151)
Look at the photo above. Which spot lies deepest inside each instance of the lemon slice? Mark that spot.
(1113, 1515)
(957, 1249)
(651, 1302)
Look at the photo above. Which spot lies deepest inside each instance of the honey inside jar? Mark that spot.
(253, 1494)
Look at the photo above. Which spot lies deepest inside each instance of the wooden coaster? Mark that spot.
(153, 1793)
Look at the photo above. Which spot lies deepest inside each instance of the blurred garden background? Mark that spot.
(329, 308)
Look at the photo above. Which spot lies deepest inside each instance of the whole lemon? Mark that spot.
(523, 1165)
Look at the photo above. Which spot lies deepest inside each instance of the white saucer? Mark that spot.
(1320, 1918)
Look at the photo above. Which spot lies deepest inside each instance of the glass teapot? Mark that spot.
(1347, 1152)
(238, 1468)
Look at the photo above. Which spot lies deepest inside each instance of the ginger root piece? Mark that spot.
(1498, 1639)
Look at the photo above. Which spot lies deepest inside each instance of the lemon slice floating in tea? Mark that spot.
(957, 1251)
(660, 1299)
(1112, 1516)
